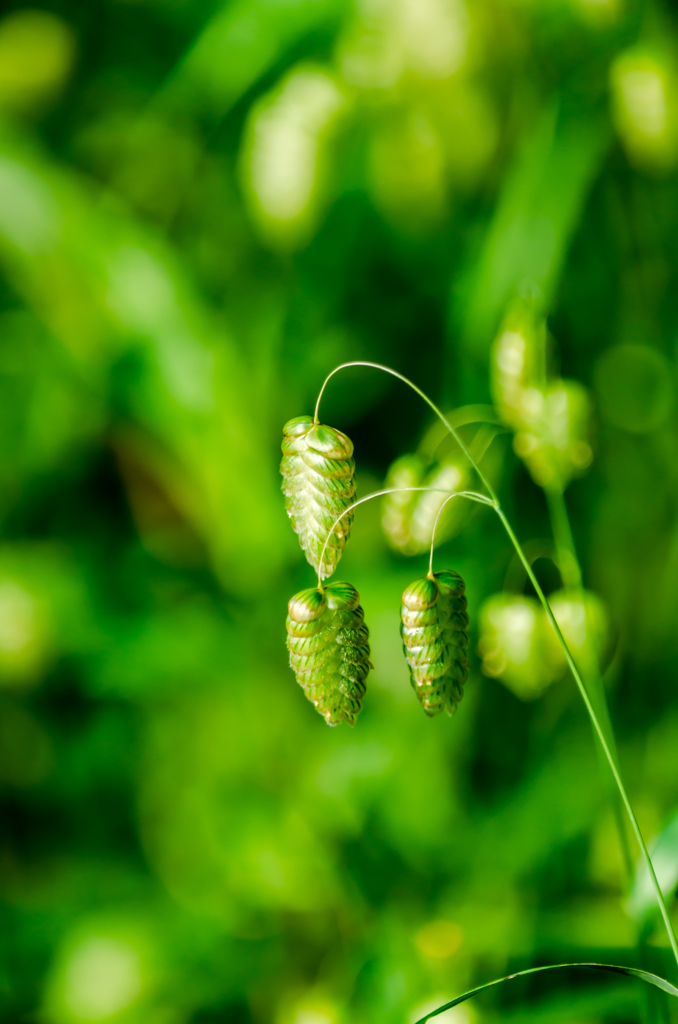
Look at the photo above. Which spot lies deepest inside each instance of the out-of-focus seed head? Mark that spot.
(550, 416)
(514, 645)
(519, 646)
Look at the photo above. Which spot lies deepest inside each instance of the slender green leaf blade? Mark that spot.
(632, 972)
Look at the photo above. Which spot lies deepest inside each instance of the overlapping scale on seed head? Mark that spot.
(329, 649)
(318, 473)
(434, 630)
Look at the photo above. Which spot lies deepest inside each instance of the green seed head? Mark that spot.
(408, 516)
(434, 630)
(550, 416)
(553, 440)
(318, 473)
(518, 644)
(515, 645)
(329, 649)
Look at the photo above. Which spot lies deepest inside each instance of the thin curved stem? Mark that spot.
(632, 972)
(599, 733)
(464, 416)
(494, 503)
(514, 580)
(573, 580)
(433, 533)
(571, 574)
(471, 495)
(386, 369)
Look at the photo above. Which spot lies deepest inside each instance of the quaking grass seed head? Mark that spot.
(434, 631)
(514, 645)
(328, 643)
(318, 472)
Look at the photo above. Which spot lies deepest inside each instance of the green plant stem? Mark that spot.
(572, 579)
(568, 562)
(433, 532)
(471, 495)
(600, 733)
(436, 410)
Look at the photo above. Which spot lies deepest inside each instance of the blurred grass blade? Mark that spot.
(537, 210)
(632, 972)
(664, 850)
(240, 43)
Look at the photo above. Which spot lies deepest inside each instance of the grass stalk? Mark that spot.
(568, 560)
(600, 734)
(594, 717)
(571, 574)
(470, 495)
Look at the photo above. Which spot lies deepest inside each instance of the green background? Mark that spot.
(204, 208)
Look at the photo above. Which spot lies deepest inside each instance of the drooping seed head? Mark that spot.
(515, 647)
(408, 516)
(519, 646)
(550, 417)
(434, 631)
(328, 643)
(554, 439)
(318, 473)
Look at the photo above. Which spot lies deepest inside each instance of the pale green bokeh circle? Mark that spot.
(634, 384)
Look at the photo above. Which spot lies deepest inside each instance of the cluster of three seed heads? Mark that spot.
(327, 638)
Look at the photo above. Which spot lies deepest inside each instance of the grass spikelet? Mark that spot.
(318, 473)
(434, 630)
(329, 649)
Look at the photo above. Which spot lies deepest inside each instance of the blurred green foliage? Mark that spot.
(204, 207)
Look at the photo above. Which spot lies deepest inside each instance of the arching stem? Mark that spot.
(439, 414)
(572, 579)
(494, 503)
(435, 527)
(471, 495)
(599, 733)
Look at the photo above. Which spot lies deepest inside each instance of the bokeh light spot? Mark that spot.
(439, 939)
(635, 388)
(36, 53)
(102, 978)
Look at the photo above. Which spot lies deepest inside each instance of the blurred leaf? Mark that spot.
(642, 900)
(184, 381)
(541, 199)
(242, 41)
